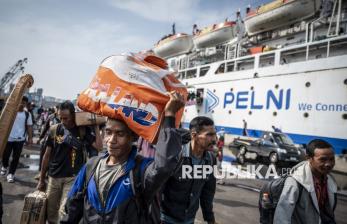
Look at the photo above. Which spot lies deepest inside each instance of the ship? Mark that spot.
(283, 65)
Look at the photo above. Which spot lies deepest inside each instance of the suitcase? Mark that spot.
(34, 211)
(86, 119)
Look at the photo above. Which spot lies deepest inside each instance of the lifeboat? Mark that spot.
(278, 13)
(173, 45)
(214, 34)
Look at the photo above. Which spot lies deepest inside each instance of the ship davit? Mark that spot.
(174, 45)
(279, 13)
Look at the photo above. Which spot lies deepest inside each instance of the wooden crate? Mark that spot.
(34, 210)
(86, 118)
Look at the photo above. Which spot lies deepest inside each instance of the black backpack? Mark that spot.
(150, 212)
(269, 196)
(26, 123)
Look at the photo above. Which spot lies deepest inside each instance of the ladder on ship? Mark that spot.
(334, 18)
(230, 52)
(332, 33)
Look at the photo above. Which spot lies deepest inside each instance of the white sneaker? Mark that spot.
(3, 171)
(10, 178)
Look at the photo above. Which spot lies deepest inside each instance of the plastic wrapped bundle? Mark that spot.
(132, 87)
(34, 210)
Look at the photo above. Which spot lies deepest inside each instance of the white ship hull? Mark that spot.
(299, 84)
(305, 99)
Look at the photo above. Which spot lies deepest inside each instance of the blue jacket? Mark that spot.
(120, 205)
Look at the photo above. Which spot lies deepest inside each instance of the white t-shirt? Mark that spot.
(18, 128)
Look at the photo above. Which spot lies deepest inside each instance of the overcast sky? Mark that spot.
(65, 40)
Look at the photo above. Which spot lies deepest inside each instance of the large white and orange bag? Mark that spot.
(132, 87)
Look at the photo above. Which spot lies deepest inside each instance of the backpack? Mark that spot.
(269, 196)
(150, 212)
(25, 123)
(81, 131)
(57, 127)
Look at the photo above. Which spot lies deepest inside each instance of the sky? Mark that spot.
(65, 40)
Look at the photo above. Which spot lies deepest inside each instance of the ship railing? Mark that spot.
(330, 47)
(326, 43)
(333, 19)
(338, 18)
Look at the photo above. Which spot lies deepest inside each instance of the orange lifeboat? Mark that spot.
(214, 34)
(279, 13)
(173, 45)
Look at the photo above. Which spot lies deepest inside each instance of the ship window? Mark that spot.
(183, 63)
(204, 70)
(191, 74)
(181, 75)
(293, 55)
(220, 69)
(174, 64)
(317, 51)
(338, 47)
(266, 60)
(244, 64)
(230, 66)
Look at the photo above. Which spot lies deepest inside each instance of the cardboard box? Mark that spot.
(86, 118)
(34, 210)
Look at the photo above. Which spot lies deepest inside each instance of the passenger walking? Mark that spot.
(21, 128)
(65, 155)
(195, 29)
(145, 148)
(39, 112)
(221, 133)
(106, 190)
(309, 193)
(276, 129)
(181, 196)
(30, 108)
(244, 130)
(1, 204)
(220, 147)
(52, 119)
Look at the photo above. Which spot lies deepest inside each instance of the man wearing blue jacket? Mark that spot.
(108, 195)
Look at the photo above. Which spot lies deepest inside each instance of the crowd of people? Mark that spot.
(136, 182)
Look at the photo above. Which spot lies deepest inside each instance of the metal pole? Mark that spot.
(338, 18)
